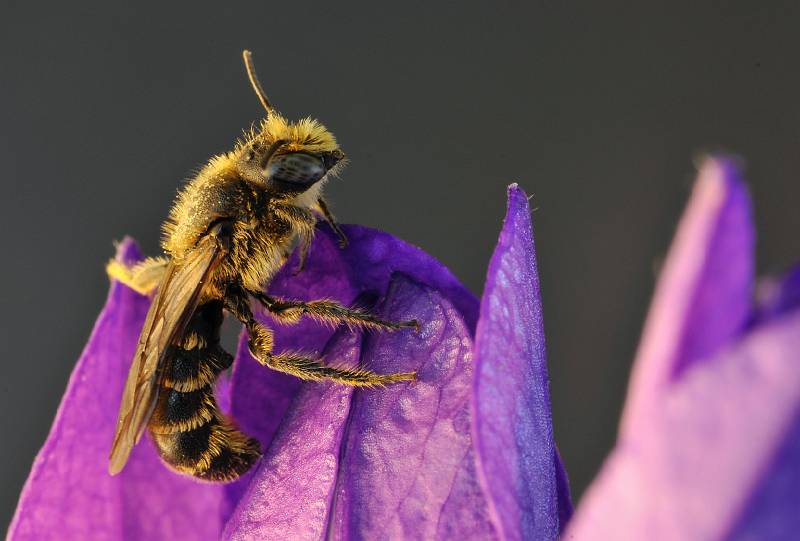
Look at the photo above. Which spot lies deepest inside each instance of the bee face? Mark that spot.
(285, 165)
(290, 173)
(286, 157)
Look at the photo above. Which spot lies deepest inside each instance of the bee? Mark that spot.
(229, 231)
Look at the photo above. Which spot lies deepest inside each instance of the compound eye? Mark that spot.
(296, 168)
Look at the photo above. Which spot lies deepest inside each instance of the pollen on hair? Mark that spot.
(307, 134)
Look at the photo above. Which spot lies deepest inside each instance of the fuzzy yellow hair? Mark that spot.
(307, 135)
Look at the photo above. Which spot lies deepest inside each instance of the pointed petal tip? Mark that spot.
(729, 162)
(516, 194)
(511, 421)
(517, 220)
(127, 250)
(702, 298)
(720, 174)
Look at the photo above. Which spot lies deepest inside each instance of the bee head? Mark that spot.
(289, 158)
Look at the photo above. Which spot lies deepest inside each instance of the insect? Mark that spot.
(229, 231)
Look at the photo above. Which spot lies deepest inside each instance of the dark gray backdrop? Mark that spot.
(597, 110)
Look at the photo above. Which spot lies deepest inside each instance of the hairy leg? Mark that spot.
(143, 277)
(305, 244)
(330, 312)
(323, 208)
(260, 343)
(314, 370)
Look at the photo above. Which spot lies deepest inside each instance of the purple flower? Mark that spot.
(709, 443)
(466, 452)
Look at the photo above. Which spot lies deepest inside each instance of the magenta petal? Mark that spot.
(715, 452)
(518, 463)
(260, 396)
(69, 493)
(289, 494)
(406, 467)
(771, 510)
(374, 256)
(776, 296)
(719, 457)
(390, 463)
(704, 293)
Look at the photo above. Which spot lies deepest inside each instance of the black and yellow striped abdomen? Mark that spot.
(190, 432)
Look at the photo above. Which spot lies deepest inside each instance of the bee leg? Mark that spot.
(260, 342)
(329, 312)
(323, 207)
(304, 222)
(143, 277)
(315, 370)
(305, 244)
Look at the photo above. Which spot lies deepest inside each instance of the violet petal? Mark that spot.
(289, 494)
(776, 296)
(393, 463)
(703, 295)
(713, 457)
(374, 256)
(712, 454)
(517, 460)
(406, 462)
(771, 510)
(260, 396)
(69, 493)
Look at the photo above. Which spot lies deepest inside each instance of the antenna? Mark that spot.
(251, 74)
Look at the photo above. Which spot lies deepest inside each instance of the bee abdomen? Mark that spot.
(190, 432)
(194, 369)
(213, 451)
(178, 411)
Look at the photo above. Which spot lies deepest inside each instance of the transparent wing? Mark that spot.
(173, 305)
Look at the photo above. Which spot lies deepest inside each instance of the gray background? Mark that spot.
(597, 110)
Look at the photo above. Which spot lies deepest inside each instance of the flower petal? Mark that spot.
(69, 493)
(406, 461)
(393, 462)
(715, 452)
(703, 295)
(719, 458)
(260, 396)
(289, 494)
(518, 464)
(776, 296)
(771, 509)
(374, 256)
